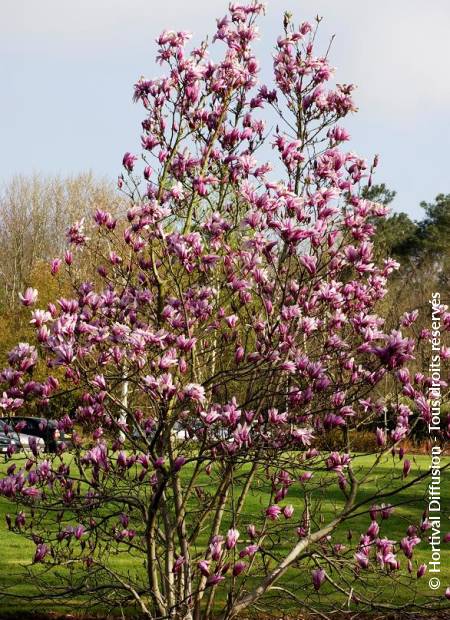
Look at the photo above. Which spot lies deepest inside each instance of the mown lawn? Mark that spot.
(16, 552)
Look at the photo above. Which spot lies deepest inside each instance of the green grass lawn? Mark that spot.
(16, 552)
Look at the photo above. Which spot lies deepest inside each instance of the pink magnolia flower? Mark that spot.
(231, 321)
(29, 297)
(249, 551)
(195, 392)
(373, 530)
(408, 318)
(408, 543)
(232, 538)
(128, 161)
(276, 418)
(339, 134)
(215, 579)
(304, 435)
(445, 353)
(362, 560)
(273, 512)
(310, 263)
(288, 511)
(55, 266)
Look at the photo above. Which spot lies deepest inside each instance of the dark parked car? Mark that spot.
(24, 441)
(5, 442)
(40, 427)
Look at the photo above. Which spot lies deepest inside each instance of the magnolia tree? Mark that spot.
(232, 324)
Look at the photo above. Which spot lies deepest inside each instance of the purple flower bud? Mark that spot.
(214, 580)
(381, 437)
(318, 577)
(307, 475)
(216, 548)
(78, 532)
(20, 519)
(178, 564)
(41, 551)
(373, 530)
(421, 571)
(32, 492)
(406, 467)
(249, 551)
(203, 567)
(238, 568)
(251, 531)
(239, 354)
(386, 511)
(178, 463)
(122, 459)
(97, 433)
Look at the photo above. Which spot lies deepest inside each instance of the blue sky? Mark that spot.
(68, 68)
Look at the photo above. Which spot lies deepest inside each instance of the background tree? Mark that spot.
(422, 249)
(34, 212)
